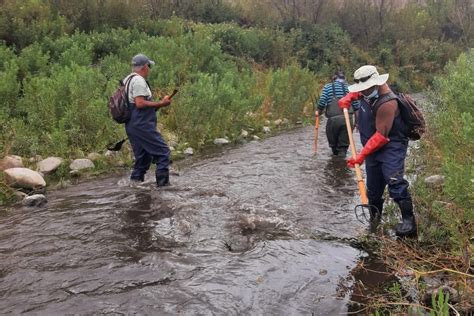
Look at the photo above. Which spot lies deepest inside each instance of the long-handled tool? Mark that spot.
(316, 129)
(360, 181)
(119, 144)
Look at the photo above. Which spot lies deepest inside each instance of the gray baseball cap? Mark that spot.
(141, 60)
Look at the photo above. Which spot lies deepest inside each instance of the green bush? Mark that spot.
(448, 210)
(9, 87)
(290, 89)
(25, 22)
(213, 106)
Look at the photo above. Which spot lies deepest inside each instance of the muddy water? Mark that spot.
(261, 229)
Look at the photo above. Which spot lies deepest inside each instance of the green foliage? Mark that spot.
(440, 304)
(213, 106)
(66, 82)
(325, 49)
(9, 87)
(64, 111)
(457, 86)
(264, 46)
(448, 217)
(6, 193)
(61, 60)
(290, 89)
(25, 22)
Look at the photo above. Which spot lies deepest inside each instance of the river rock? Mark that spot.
(94, 156)
(285, 121)
(80, 164)
(35, 158)
(11, 161)
(34, 200)
(110, 153)
(49, 164)
(244, 133)
(435, 180)
(173, 143)
(255, 137)
(278, 122)
(189, 151)
(24, 178)
(221, 141)
(266, 129)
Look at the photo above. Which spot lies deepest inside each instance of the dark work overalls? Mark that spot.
(147, 144)
(387, 165)
(336, 130)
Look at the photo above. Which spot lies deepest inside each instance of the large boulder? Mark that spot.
(49, 165)
(11, 162)
(24, 178)
(79, 164)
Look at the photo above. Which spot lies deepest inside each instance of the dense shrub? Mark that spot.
(448, 149)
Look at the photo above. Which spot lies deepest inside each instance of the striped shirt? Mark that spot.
(340, 88)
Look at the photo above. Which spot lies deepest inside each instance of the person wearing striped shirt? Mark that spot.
(336, 130)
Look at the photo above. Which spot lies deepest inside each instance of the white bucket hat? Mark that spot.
(365, 77)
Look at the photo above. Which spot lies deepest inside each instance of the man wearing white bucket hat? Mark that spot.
(384, 136)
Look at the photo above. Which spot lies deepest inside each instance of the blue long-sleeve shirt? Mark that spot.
(340, 88)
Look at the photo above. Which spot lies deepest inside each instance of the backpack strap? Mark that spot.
(383, 99)
(333, 91)
(127, 84)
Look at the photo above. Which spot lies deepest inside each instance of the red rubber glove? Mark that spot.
(345, 101)
(375, 142)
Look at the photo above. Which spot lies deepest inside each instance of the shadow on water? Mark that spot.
(261, 229)
(139, 222)
(371, 278)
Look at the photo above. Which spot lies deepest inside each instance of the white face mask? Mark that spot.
(374, 94)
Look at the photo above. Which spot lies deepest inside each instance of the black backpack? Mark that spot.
(410, 112)
(118, 103)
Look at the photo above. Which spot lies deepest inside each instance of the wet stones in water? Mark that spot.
(239, 243)
(36, 200)
(251, 223)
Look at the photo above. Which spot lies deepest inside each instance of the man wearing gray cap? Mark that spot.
(147, 143)
(384, 136)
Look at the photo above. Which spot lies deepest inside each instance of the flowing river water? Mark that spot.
(264, 228)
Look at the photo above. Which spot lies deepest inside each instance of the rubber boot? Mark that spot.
(407, 228)
(162, 178)
(342, 152)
